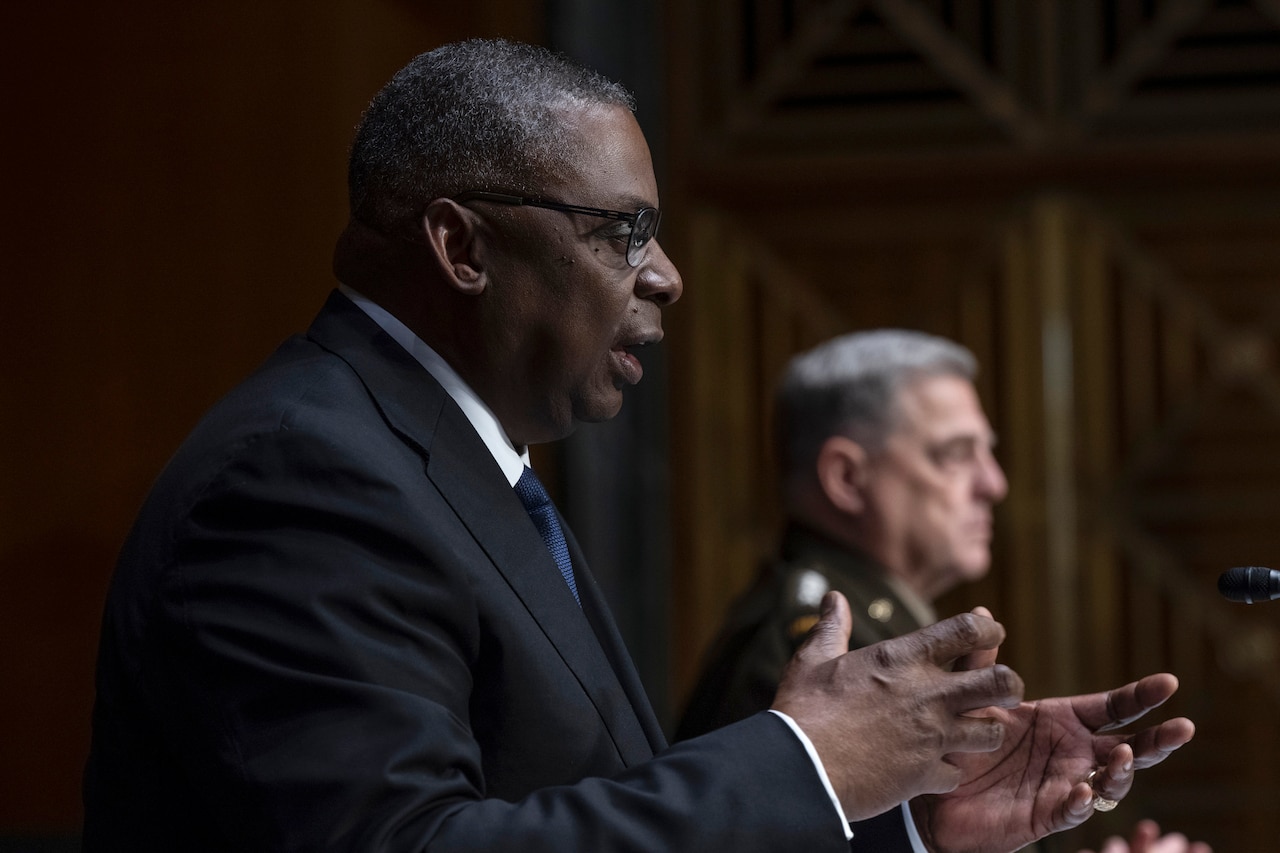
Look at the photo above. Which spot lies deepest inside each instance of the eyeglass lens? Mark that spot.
(642, 231)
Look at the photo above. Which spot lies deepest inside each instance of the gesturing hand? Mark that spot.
(888, 721)
(1146, 838)
(1035, 783)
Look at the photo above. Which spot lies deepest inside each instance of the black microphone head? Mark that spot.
(1249, 584)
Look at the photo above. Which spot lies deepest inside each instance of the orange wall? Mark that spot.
(175, 179)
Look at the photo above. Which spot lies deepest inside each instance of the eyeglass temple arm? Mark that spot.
(501, 198)
(504, 198)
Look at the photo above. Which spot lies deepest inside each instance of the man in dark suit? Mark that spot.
(347, 617)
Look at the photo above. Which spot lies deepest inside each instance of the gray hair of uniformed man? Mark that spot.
(482, 114)
(849, 386)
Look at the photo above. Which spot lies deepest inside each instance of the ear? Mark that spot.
(455, 240)
(842, 469)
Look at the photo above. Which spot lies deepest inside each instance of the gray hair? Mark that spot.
(473, 115)
(849, 386)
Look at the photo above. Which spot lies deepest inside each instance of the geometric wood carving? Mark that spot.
(883, 74)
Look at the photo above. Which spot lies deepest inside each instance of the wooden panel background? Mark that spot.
(1085, 192)
(1081, 190)
(175, 178)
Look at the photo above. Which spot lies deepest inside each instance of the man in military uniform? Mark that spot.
(889, 482)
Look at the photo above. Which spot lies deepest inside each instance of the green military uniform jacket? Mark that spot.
(769, 621)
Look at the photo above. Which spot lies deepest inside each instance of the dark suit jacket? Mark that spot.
(334, 627)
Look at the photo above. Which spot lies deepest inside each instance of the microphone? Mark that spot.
(1249, 584)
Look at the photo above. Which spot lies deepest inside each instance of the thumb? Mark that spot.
(982, 658)
(829, 637)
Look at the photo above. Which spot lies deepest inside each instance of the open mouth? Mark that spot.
(626, 362)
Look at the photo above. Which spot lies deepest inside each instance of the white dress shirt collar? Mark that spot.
(511, 459)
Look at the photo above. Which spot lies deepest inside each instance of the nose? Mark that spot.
(991, 482)
(658, 279)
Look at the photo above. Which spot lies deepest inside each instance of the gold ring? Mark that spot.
(1099, 802)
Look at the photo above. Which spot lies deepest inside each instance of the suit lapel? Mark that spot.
(606, 631)
(489, 508)
(466, 475)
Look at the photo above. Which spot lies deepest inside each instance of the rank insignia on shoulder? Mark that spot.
(810, 586)
(880, 610)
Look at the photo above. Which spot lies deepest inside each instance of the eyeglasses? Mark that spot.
(644, 222)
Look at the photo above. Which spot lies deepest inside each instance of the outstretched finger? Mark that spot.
(1117, 708)
(1155, 744)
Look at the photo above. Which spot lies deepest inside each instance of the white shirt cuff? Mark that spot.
(822, 771)
(913, 834)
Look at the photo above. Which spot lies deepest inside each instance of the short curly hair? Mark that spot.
(482, 114)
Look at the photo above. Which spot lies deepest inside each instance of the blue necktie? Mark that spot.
(538, 504)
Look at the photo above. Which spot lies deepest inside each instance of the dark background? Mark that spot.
(1085, 193)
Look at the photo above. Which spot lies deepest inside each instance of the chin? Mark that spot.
(602, 408)
(974, 570)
